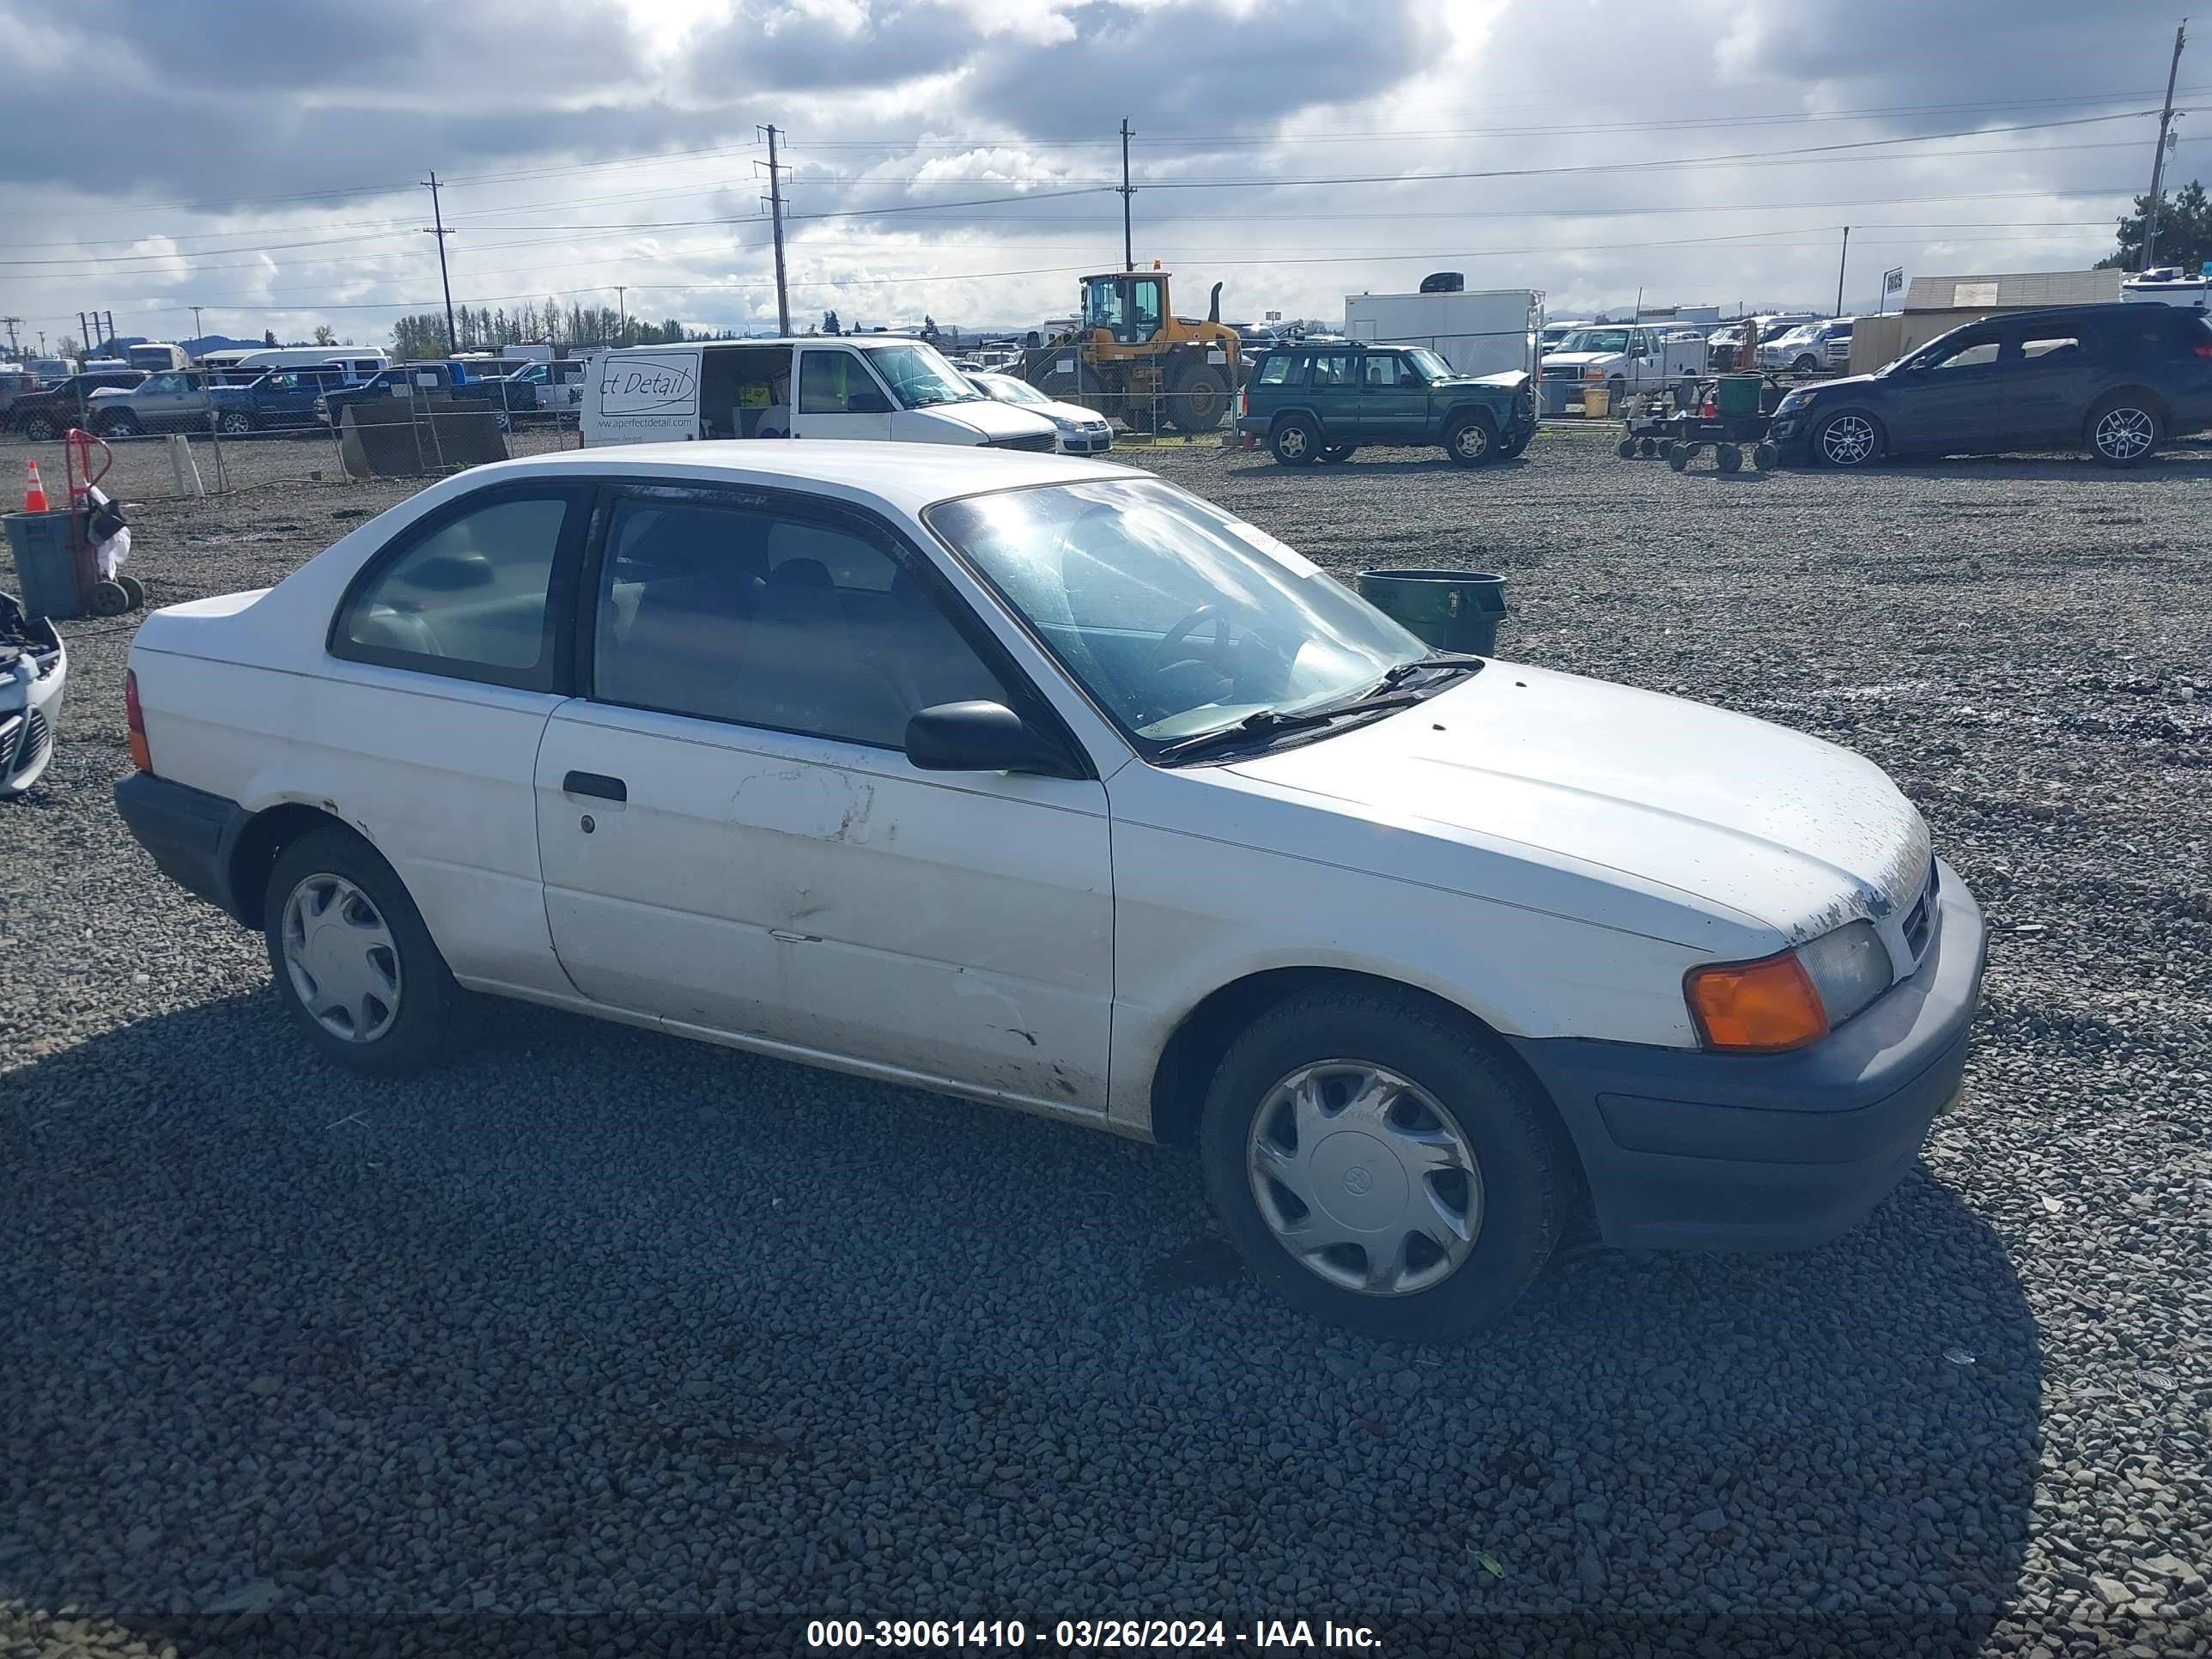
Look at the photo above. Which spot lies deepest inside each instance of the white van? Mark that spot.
(880, 387)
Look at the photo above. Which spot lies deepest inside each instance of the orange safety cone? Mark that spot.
(34, 493)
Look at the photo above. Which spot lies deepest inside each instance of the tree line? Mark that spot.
(481, 328)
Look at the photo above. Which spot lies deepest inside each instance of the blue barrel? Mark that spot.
(45, 564)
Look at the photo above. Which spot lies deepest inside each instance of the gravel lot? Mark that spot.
(608, 1341)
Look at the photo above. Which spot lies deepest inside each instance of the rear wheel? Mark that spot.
(1472, 440)
(1625, 448)
(1378, 1165)
(1199, 400)
(233, 422)
(1295, 442)
(1765, 456)
(352, 960)
(1678, 457)
(37, 429)
(107, 600)
(1728, 457)
(2123, 431)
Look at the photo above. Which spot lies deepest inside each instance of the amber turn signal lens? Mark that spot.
(1758, 1006)
(134, 718)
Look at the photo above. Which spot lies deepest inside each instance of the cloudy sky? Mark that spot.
(259, 158)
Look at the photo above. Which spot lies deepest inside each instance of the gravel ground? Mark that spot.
(608, 1341)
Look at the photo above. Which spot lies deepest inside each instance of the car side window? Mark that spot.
(2052, 347)
(827, 381)
(764, 617)
(1381, 369)
(1334, 368)
(474, 597)
(1282, 368)
(1975, 353)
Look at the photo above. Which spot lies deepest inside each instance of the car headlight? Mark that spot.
(1788, 1000)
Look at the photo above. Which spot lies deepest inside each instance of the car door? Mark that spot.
(452, 645)
(1943, 402)
(734, 841)
(1332, 390)
(2047, 377)
(1394, 400)
(162, 402)
(839, 396)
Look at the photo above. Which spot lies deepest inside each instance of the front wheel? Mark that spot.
(1848, 440)
(1379, 1166)
(2124, 431)
(1806, 366)
(1471, 441)
(1295, 442)
(121, 424)
(37, 428)
(234, 423)
(352, 960)
(1200, 400)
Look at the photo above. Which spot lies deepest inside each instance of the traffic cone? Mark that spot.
(34, 493)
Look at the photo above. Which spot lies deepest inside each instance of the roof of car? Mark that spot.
(907, 475)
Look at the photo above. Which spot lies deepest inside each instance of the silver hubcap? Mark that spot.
(1293, 440)
(1363, 1179)
(2124, 433)
(344, 965)
(1848, 441)
(1473, 440)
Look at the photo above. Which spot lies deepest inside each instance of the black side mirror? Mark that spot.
(983, 737)
(867, 401)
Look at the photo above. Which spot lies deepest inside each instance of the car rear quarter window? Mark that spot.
(1281, 369)
(2052, 345)
(477, 594)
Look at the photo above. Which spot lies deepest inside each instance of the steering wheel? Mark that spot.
(1173, 640)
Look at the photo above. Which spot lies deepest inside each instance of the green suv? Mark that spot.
(1321, 401)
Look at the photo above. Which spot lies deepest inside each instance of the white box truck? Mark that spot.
(1490, 332)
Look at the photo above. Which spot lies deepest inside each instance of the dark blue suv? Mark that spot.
(2116, 380)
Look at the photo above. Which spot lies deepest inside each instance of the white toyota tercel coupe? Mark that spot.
(1043, 781)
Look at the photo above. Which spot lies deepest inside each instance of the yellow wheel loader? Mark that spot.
(1131, 357)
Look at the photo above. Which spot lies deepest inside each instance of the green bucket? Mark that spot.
(1739, 394)
(45, 564)
(1452, 609)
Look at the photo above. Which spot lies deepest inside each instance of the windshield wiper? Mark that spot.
(1406, 670)
(1266, 723)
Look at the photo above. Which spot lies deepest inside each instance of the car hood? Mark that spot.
(107, 394)
(1512, 380)
(1739, 815)
(992, 419)
(1059, 411)
(1574, 359)
(1842, 383)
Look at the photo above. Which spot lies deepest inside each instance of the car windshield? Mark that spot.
(1597, 339)
(1007, 389)
(919, 375)
(1430, 364)
(1178, 619)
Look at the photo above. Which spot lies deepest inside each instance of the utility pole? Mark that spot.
(775, 213)
(1129, 248)
(1842, 259)
(196, 310)
(15, 349)
(2158, 161)
(622, 312)
(438, 219)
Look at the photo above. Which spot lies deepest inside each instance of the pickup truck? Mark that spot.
(544, 390)
(42, 417)
(1624, 358)
(401, 380)
(1322, 400)
(185, 400)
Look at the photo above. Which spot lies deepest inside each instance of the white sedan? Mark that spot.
(1082, 431)
(1045, 782)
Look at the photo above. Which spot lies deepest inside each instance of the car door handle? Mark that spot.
(595, 783)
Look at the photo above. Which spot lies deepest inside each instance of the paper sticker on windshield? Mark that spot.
(1281, 552)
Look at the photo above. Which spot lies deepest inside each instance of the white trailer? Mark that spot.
(1491, 332)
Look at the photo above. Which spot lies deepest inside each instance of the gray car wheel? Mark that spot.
(1848, 440)
(2124, 431)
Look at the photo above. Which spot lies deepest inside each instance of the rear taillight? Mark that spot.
(134, 717)
(2204, 351)
(1244, 401)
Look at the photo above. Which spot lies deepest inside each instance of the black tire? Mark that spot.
(37, 429)
(503, 421)
(1198, 400)
(1472, 440)
(1728, 457)
(1647, 447)
(1511, 449)
(420, 1028)
(1678, 457)
(1335, 452)
(233, 422)
(1500, 1116)
(1765, 456)
(1295, 441)
(122, 424)
(2124, 429)
(107, 600)
(1849, 438)
(1625, 448)
(1806, 365)
(134, 591)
